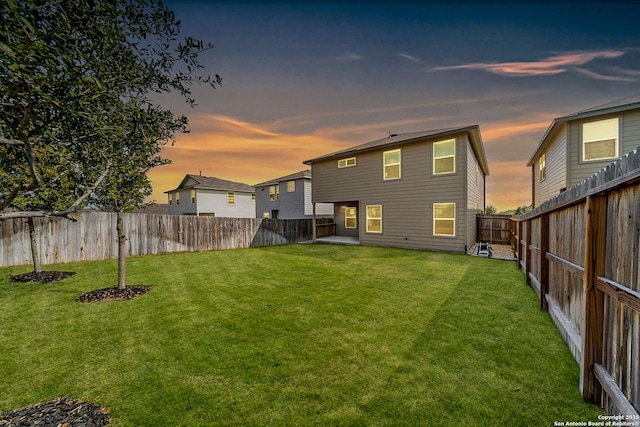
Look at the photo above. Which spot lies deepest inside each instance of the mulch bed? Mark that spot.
(114, 294)
(61, 412)
(42, 276)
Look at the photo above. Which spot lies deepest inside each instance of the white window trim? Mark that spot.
(543, 167)
(346, 217)
(446, 219)
(193, 197)
(433, 152)
(344, 163)
(233, 195)
(368, 217)
(384, 165)
(583, 141)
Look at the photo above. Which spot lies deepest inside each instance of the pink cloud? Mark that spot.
(546, 67)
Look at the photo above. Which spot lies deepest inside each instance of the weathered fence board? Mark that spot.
(493, 229)
(93, 236)
(593, 283)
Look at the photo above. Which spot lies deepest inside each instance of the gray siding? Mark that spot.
(475, 195)
(407, 203)
(213, 201)
(294, 205)
(556, 160)
(630, 132)
(324, 210)
(263, 204)
(629, 135)
(185, 207)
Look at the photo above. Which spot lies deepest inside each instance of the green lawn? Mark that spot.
(293, 335)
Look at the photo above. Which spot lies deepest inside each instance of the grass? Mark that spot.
(293, 335)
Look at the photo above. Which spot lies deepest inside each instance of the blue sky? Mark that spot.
(302, 79)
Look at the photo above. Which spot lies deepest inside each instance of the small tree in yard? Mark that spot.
(69, 70)
(490, 210)
(146, 130)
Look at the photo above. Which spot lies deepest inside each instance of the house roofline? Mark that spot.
(304, 174)
(618, 106)
(407, 138)
(238, 187)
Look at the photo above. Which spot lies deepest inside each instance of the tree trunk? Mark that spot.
(122, 254)
(35, 254)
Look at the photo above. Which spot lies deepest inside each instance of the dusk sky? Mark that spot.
(303, 79)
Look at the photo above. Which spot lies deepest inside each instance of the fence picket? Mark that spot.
(587, 257)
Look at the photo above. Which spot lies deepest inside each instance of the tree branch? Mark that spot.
(64, 213)
(10, 141)
(35, 178)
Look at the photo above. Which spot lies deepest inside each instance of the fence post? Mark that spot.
(592, 298)
(519, 244)
(527, 253)
(544, 262)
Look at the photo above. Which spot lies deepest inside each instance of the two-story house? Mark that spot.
(288, 197)
(578, 145)
(208, 196)
(415, 190)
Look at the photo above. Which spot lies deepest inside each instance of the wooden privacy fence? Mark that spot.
(581, 253)
(493, 229)
(93, 236)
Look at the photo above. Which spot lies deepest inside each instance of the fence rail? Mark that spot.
(581, 254)
(93, 236)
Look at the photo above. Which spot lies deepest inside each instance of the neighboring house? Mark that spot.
(576, 146)
(153, 208)
(416, 190)
(208, 196)
(288, 197)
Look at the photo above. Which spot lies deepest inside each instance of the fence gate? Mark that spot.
(494, 229)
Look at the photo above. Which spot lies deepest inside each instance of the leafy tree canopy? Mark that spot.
(69, 71)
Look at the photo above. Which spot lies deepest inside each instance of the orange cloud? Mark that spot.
(509, 185)
(235, 150)
(503, 130)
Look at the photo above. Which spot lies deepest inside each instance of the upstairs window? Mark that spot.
(193, 196)
(253, 197)
(291, 186)
(543, 167)
(177, 198)
(274, 193)
(600, 140)
(444, 156)
(345, 163)
(231, 198)
(170, 197)
(392, 164)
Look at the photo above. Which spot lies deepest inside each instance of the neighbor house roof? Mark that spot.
(211, 183)
(306, 174)
(406, 138)
(618, 106)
